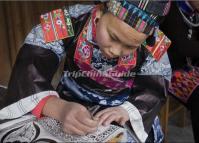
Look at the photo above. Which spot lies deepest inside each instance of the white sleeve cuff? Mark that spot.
(135, 120)
(24, 105)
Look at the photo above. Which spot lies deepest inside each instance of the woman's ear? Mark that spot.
(99, 14)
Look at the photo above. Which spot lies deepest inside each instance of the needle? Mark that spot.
(95, 108)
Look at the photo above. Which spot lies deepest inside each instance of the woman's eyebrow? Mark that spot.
(115, 37)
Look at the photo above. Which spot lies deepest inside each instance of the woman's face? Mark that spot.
(115, 38)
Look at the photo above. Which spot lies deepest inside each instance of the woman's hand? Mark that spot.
(117, 114)
(75, 118)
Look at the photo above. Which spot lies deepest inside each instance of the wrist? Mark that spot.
(54, 108)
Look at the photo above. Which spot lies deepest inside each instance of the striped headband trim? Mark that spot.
(133, 16)
(160, 8)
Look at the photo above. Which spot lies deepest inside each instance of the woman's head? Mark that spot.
(123, 28)
(115, 37)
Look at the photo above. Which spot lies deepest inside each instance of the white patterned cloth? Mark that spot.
(79, 9)
(24, 105)
(30, 129)
(135, 120)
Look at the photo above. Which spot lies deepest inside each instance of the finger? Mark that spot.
(110, 119)
(83, 127)
(103, 112)
(104, 116)
(70, 129)
(122, 121)
(96, 119)
(88, 121)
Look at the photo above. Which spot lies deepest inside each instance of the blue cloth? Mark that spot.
(158, 134)
(185, 7)
(89, 96)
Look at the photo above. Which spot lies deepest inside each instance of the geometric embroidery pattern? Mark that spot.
(183, 83)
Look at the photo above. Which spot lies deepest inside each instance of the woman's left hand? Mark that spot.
(117, 114)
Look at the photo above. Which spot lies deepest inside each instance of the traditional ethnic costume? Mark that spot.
(141, 94)
(182, 26)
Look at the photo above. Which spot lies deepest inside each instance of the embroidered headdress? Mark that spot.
(142, 15)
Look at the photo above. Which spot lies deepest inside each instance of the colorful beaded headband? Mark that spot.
(132, 15)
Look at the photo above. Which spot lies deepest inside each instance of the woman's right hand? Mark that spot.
(77, 120)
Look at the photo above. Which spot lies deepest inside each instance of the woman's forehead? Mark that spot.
(124, 32)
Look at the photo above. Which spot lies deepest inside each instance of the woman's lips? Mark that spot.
(108, 55)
